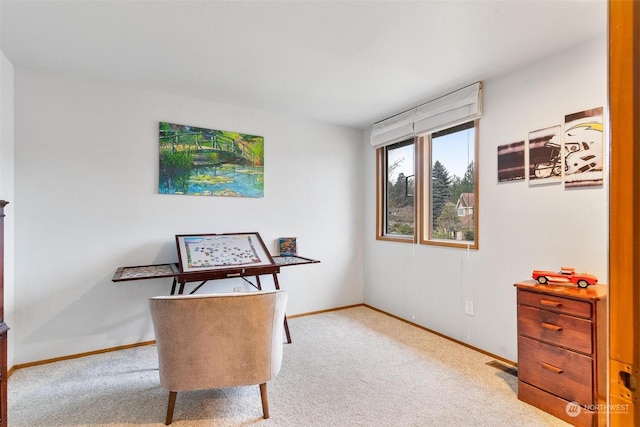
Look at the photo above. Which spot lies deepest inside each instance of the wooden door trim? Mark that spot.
(624, 213)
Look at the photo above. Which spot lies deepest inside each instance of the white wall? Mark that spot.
(6, 190)
(521, 227)
(86, 202)
(86, 168)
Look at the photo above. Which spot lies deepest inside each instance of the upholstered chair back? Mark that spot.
(218, 340)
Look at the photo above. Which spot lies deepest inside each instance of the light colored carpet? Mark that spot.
(351, 367)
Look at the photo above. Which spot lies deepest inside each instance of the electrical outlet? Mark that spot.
(468, 308)
(237, 289)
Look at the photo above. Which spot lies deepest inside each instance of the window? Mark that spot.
(450, 198)
(426, 171)
(446, 207)
(396, 192)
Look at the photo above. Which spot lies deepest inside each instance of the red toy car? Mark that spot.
(565, 275)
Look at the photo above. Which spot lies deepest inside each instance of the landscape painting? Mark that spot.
(209, 162)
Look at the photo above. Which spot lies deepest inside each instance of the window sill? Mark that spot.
(400, 239)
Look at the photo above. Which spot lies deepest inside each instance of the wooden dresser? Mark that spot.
(562, 356)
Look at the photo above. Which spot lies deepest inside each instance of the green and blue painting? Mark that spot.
(209, 162)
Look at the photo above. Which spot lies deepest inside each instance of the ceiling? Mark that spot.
(349, 63)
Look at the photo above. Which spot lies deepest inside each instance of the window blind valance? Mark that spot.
(394, 129)
(449, 110)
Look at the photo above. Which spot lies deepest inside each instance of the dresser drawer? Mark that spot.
(558, 407)
(556, 328)
(554, 303)
(565, 373)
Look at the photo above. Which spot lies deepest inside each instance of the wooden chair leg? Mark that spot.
(170, 405)
(265, 400)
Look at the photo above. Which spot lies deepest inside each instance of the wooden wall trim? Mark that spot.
(624, 213)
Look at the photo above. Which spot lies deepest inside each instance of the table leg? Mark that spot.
(286, 330)
(286, 324)
(197, 287)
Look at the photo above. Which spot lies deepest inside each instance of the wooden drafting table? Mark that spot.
(172, 270)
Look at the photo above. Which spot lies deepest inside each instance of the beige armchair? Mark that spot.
(218, 340)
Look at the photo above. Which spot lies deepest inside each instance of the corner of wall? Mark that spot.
(7, 186)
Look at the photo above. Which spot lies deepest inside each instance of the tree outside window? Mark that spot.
(434, 179)
(397, 210)
(451, 193)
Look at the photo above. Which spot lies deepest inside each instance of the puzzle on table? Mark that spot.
(201, 252)
(147, 271)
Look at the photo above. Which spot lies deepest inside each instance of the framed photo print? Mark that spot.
(583, 149)
(545, 156)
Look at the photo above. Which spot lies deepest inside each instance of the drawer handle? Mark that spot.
(551, 303)
(551, 326)
(552, 368)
